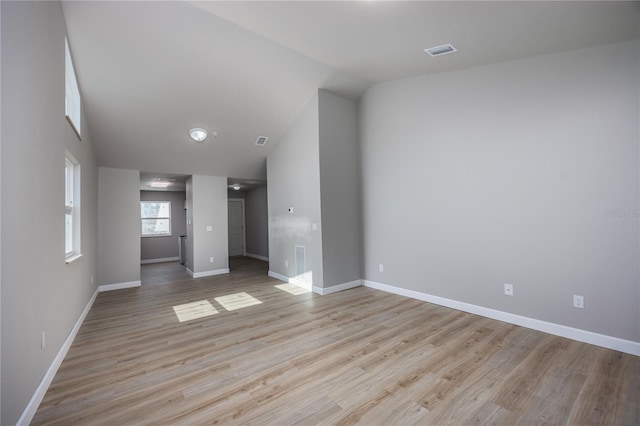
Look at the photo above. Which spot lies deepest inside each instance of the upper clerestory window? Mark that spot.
(72, 105)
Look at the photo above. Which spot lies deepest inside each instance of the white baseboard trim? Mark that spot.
(318, 290)
(160, 260)
(295, 281)
(41, 390)
(119, 286)
(610, 342)
(336, 288)
(208, 273)
(278, 276)
(302, 284)
(257, 256)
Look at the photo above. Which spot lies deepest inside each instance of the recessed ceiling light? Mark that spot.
(159, 184)
(236, 187)
(198, 134)
(262, 140)
(441, 50)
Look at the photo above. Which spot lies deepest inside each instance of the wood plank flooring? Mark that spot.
(163, 273)
(355, 357)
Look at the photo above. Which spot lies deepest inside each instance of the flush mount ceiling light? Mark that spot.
(236, 187)
(159, 184)
(441, 50)
(198, 134)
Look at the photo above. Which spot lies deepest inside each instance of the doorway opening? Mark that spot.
(236, 224)
(248, 223)
(163, 227)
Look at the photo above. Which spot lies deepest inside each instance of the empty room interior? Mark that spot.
(352, 212)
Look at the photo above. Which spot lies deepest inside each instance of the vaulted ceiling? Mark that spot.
(150, 71)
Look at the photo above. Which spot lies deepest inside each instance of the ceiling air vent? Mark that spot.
(262, 140)
(441, 50)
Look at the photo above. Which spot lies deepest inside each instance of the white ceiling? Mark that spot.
(150, 71)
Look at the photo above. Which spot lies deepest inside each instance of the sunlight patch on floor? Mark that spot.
(293, 289)
(195, 310)
(237, 301)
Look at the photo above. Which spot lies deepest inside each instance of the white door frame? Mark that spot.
(244, 225)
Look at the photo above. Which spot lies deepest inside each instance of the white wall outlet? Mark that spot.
(314, 226)
(508, 289)
(43, 340)
(290, 209)
(91, 279)
(209, 228)
(211, 260)
(286, 263)
(578, 301)
(381, 267)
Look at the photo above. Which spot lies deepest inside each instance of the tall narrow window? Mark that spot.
(72, 106)
(156, 218)
(71, 208)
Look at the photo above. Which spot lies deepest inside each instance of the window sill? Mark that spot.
(73, 258)
(156, 235)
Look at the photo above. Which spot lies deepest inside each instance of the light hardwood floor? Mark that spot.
(357, 356)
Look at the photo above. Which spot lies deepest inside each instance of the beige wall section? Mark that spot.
(209, 200)
(119, 226)
(257, 222)
(509, 173)
(293, 176)
(339, 189)
(35, 134)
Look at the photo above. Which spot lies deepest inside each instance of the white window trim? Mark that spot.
(169, 234)
(73, 103)
(72, 191)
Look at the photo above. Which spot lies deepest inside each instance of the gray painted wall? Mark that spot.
(209, 200)
(339, 189)
(119, 226)
(33, 202)
(189, 213)
(165, 247)
(293, 175)
(508, 173)
(0, 238)
(314, 169)
(257, 221)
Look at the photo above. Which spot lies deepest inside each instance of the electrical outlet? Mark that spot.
(578, 301)
(211, 260)
(43, 340)
(91, 279)
(209, 228)
(286, 263)
(508, 289)
(381, 267)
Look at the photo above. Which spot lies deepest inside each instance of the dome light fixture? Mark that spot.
(236, 187)
(198, 134)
